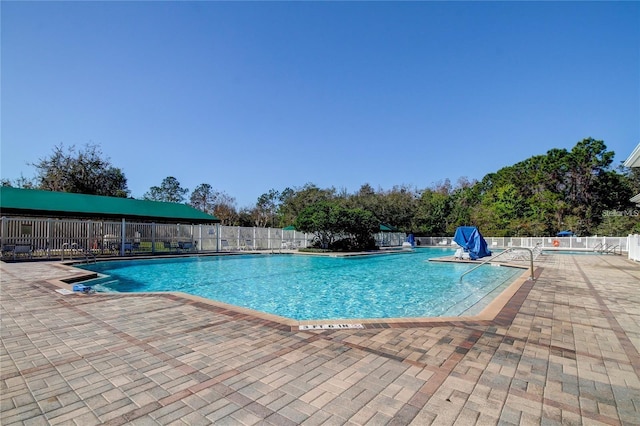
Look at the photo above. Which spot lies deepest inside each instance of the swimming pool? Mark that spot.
(313, 287)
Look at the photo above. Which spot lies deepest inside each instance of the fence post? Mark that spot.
(633, 247)
(87, 244)
(123, 234)
(48, 243)
(4, 230)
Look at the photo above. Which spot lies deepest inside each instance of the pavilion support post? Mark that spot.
(4, 230)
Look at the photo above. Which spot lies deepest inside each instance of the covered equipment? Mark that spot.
(470, 239)
(411, 240)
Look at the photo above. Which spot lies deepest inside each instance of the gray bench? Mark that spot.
(186, 245)
(17, 250)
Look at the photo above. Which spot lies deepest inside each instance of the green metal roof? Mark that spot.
(31, 202)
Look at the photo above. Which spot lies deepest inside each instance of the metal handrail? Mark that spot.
(612, 249)
(500, 254)
(604, 248)
(74, 248)
(84, 251)
(65, 246)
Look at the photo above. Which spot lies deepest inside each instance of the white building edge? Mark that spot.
(634, 161)
(634, 240)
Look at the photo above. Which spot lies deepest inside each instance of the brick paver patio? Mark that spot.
(563, 350)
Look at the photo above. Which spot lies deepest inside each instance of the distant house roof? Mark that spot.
(31, 202)
(634, 161)
(634, 158)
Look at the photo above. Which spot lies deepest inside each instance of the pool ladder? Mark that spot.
(532, 253)
(75, 248)
(604, 248)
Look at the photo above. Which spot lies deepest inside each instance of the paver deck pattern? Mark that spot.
(564, 350)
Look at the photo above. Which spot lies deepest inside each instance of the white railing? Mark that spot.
(634, 247)
(54, 238)
(508, 255)
(49, 237)
(557, 243)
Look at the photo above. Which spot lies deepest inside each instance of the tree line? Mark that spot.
(577, 190)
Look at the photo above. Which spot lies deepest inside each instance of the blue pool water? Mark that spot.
(315, 288)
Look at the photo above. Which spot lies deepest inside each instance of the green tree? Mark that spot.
(245, 217)
(395, 207)
(545, 212)
(620, 223)
(320, 219)
(266, 208)
(21, 182)
(365, 198)
(546, 193)
(508, 202)
(353, 228)
(203, 198)
(432, 212)
(169, 191)
(398, 207)
(588, 160)
(225, 209)
(293, 201)
(360, 226)
(85, 171)
(285, 216)
(216, 203)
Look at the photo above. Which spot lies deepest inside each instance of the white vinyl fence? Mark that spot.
(634, 247)
(64, 238)
(613, 244)
(61, 238)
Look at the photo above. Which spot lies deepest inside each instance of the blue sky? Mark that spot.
(253, 96)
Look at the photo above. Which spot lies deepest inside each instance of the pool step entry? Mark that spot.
(532, 254)
(604, 248)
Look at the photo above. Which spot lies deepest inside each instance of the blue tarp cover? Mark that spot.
(564, 234)
(470, 239)
(411, 239)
